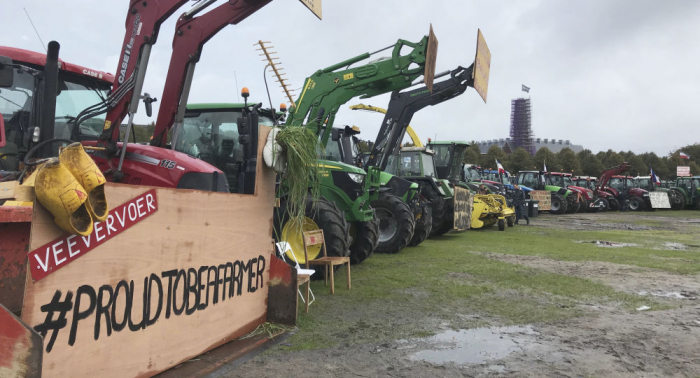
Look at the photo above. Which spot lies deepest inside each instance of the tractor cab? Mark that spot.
(448, 159)
(211, 133)
(690, 188)
(21, 93)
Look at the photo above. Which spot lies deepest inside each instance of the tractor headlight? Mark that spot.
(358, 178)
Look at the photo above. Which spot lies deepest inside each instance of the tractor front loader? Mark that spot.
(402, 107)
(349, 192)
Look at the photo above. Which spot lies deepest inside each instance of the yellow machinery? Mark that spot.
(488, 210)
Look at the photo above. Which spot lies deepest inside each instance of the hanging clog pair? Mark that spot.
(71, 187)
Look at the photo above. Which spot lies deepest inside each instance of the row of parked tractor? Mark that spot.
(374, 195)
(611, 191)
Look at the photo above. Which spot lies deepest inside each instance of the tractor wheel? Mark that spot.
(510, 221)
(558, 204)
(365, 236)
(322, 214)
(424, 223)
(697, 204)
(636, 204)
(583, 206)
(613, 204)
(677, 199)
(437, 206)
(572, 204)
(396, 223)
(448, 222)
(501, 225)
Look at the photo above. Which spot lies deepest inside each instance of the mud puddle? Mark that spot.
(683, 294)
(474, 346)
(607, 244)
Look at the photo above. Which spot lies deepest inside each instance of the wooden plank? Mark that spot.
(430, 59)
(20, 348)
(186, 279)
(13, 190)
(482, 66)
(314, 6)
(463, 205)
(313, 237)
(545, 198)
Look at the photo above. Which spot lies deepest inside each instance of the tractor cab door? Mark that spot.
(529, 179)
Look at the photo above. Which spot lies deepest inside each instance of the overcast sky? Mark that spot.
(604, 74)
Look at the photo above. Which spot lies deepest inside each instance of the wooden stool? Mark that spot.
(315, 238)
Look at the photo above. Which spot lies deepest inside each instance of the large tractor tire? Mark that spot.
(323, 215)
(365, 237)
(636, 204)
(437, 206)
(558, 203)
(424, 224)
(448, 222)
(613, 204)
(572, 204)
(677, 199)
(396, 223)
(583, 205)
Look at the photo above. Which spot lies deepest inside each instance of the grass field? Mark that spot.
(448, 282)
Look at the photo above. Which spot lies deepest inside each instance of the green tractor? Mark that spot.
(350, 190)
(676, 196)
(689, 188)
(562, 200)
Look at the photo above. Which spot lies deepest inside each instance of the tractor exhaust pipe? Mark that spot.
(48, 104)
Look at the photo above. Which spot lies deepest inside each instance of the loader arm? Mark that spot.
(142, 25)
(326, 90)
(411, 133)
(191, 33)
(402, 107)
(610, 172)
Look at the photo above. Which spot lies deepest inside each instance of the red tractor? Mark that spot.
(90, 94)
(588, 201)
(611, 182)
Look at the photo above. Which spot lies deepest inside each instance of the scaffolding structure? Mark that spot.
(521, 125)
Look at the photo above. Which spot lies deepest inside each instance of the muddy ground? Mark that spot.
(608, 340)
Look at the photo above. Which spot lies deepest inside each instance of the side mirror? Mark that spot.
(6, 72)
(3, 141)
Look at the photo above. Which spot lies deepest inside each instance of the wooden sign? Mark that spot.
(189, 277)
(482, 66)
(430, 59)
(682, 171)
(463, 205)
(65, 249)
(314, 6)
(659, 200)
(545, 198)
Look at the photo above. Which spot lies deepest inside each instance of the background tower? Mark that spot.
(520, 125)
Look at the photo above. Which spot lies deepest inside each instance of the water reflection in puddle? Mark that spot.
(476, 345)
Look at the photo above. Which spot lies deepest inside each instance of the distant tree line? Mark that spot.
(585, 163)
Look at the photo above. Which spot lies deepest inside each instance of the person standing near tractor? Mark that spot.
(519, 204)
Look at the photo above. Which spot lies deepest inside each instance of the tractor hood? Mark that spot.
(586, 193)
(638, 192)
(557, 189)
